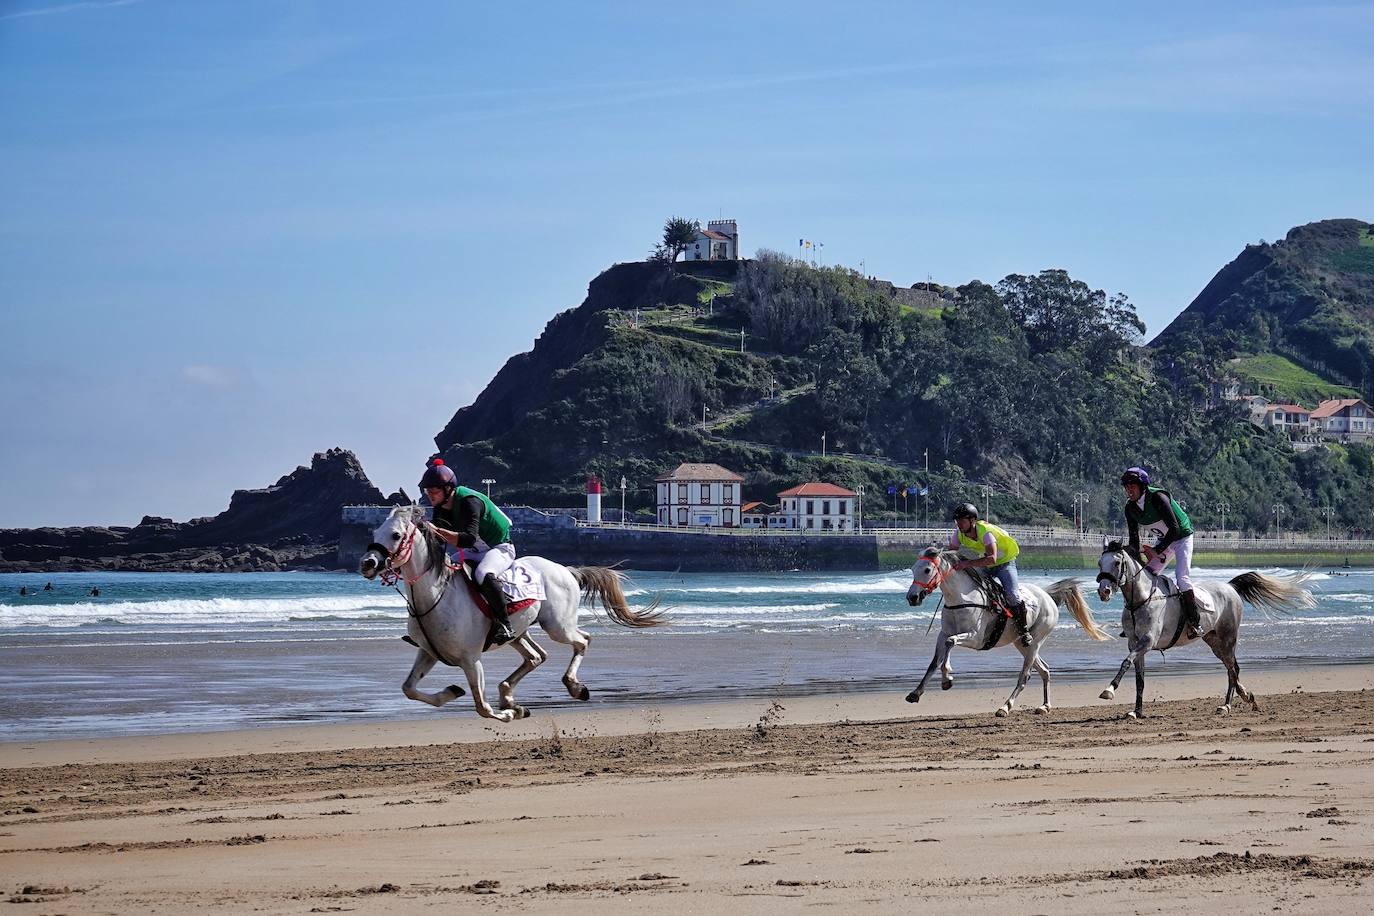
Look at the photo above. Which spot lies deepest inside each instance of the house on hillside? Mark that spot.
(719, 241)
(1343, 419)
(818, 506)
(1292, 419)
(699, 495)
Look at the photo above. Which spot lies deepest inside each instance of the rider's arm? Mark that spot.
(469, 515)
(1133, 533)
(989, 558)
(1166, 514)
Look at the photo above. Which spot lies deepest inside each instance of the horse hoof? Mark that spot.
(521, 712)
(1133, 715)
(582, 693)
(946, 685)
(1041, 710)
(456, 690)
(1106, 694)
(1003, 712)
(913, 697)
(1223, 710)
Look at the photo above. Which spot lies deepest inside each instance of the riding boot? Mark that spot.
(501, 632)
(1192, 621)
(1019, 615)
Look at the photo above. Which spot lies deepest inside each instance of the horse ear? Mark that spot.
(1106, 543)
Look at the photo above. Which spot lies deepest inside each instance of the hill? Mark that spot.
(1032, 393)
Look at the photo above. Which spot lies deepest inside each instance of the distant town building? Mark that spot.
(699, 495)
(762, 515)
(719, 241)
(1344, 419)
(1293, 419)
(818, 506)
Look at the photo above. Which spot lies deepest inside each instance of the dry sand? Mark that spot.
(861, 803)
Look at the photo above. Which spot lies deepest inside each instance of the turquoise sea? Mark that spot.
(161, 652)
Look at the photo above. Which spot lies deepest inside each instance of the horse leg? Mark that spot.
(939, 660)
(946, 674)
(1027, 659)
(533, 657)
(576, 689)
(1044, 670)
(1120, 673)
(1139, 711)
(423, 662)
(473, 669)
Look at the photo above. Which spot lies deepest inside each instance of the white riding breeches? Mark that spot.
(1181, 552)
(491, 560)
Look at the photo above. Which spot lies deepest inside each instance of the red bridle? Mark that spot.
(934, 581)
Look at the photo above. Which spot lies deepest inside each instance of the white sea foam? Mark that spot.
(202, 611)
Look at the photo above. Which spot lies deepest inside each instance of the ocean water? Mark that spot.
(160, 652)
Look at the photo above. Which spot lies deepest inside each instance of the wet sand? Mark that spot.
(859, 802)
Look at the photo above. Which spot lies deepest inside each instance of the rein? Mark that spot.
(392, 573)
(1135, 577)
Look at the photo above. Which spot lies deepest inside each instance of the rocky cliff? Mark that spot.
(292, 524)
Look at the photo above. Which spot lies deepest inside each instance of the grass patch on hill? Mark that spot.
(1358, 260)
(1281, 379)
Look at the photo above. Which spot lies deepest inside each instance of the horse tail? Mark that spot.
(601, 584)
(1273, 593)
(1066, 594)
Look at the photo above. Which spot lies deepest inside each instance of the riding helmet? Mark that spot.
(966, 510)
(438, 474)
(1137, 475)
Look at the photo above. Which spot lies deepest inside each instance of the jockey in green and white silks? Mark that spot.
(995, 551)
(1152, 508)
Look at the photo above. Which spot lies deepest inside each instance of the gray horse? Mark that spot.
(1151, 619)
(969, 620)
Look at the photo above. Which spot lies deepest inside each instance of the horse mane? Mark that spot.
(936, 552)
(438, 550)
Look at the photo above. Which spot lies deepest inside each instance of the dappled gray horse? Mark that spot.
(1151, 620)
(970, 619)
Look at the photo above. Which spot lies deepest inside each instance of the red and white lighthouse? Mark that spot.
(594, 500)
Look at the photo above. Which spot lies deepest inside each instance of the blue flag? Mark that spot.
(892, 491)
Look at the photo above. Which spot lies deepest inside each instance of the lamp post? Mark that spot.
(860, 491)
(1080, 500)
(488, 481)
(1223, 509)
(704, 411)
(987, 500)
(622, 502)
(1278, 521)
(1328, 511)
(822, 445)
(925, 521)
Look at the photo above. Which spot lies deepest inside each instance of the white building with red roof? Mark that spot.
(699, 495)
(1293, 419)
(1347, 419)
(719, 241)
(818, 506)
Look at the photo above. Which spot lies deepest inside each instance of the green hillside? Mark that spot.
(1280, 379)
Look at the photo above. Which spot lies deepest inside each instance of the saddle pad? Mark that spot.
(522, 582)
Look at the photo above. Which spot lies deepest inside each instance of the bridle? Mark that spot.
(392, 571)
(943, 572)
(1121, 586)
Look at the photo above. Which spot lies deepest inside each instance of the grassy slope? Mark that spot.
(1285, 380)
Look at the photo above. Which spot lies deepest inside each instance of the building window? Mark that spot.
(682, 492)
(840, 510)
(811, 523)
(825, 507)
(705, 489)
(810, 507)
(727, 518)
(682, 516)
(663, 516)
(726, 496)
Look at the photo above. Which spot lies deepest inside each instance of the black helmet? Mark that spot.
(438, 475)
(1137, 475)
(966, 510)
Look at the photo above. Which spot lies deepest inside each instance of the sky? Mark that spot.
(233, 234)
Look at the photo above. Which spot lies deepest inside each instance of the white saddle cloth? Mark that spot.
(522, 582)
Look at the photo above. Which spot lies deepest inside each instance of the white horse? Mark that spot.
(970, 620)
(1151, 617)
(448, 626)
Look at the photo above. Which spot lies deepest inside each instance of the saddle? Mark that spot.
(992, 589)
(521, 587)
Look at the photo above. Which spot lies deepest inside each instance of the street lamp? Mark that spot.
(1328, 511)
(622, 502)
(860, 491)
(822, 445)
(488, 481)
(987, 500)
(925, 522)
(1223, 509)
(1278, 521)
(704, 411)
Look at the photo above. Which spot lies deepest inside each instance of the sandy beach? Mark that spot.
(860, 802)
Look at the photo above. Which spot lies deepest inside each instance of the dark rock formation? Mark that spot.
(293, 524)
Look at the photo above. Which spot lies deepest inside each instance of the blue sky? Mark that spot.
(237, 233)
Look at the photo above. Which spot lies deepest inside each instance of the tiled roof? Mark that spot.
(1330, 408)
(713, 234)
(1288, 408)
(817, 489)
(685, 473)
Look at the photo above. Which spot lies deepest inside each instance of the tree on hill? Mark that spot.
(678, 233)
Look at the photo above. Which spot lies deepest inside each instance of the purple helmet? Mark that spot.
(438, 474)
(1138, 476)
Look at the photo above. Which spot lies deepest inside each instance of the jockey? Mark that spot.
(996, 552)
(1153, 509)
(470, 521)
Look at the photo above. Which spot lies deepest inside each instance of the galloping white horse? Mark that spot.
(1152, 620)
(447, 625)
(970, 620)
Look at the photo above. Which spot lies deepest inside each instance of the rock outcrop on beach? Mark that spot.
(292, 524)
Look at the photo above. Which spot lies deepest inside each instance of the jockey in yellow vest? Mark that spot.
(996, 552)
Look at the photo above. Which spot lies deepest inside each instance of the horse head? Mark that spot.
(1113, 568)
(393, 542)
(931, 569)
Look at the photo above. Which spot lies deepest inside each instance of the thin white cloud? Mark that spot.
(220, 378)
(68, 8)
